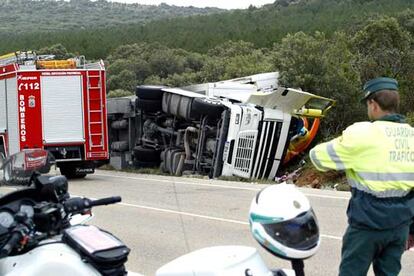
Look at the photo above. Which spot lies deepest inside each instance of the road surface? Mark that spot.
(161, 218)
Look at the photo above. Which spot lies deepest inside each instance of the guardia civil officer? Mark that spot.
(378, 159)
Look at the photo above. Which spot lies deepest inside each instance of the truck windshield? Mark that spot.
(318, 103)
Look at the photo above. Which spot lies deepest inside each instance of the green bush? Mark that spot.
(118, 93)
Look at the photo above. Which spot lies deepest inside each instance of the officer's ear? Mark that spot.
(372, 103)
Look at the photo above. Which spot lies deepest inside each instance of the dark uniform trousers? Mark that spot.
(382, 248)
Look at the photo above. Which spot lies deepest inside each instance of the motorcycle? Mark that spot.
(281, 221)
(38, 235)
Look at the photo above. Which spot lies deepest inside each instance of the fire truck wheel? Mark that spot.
(206, 107)
(149, 92)
(150, 106)
(70, 172)
(146, 154)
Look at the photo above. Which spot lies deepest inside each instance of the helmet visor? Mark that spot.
(300, 233)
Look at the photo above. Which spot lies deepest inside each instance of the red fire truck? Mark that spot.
(57, 105)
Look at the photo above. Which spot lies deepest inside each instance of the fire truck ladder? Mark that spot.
(17, 57)
(7, 59)
(95, 111)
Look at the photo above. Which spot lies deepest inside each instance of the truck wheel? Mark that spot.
(146, 154)
(163, 168)
(151, 106)
(149, 92)
(206, 107)
(70, 172)
(120, 124)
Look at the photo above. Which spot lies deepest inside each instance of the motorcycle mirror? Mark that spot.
(19, 168)
(53, 185)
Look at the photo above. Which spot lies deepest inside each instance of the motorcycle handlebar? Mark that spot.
(11, 244)
(106, 201)
(78, 204)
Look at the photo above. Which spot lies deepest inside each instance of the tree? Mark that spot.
(382, 47)
(119, 93)
(58, 50)
(385, 48)
(300, 60)
(324, 67)
(234, 59)
(125, 80)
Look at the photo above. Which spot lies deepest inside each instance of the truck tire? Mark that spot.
(206, 107)
(70, 172)
(149, 92)
(120, 146)
(120, 124)
(150, 106)
(163, 168)
(146, 155)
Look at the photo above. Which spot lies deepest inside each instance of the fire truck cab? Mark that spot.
(56, 105)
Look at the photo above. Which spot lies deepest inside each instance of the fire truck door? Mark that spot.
(62, 109)
(12, 123)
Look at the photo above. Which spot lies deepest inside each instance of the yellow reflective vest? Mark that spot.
(378, 159)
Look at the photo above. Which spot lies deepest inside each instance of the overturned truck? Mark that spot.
(247, 127)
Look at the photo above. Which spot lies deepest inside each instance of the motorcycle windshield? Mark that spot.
(299, 233)
(19, 167)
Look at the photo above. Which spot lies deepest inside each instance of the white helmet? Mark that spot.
(283, 222)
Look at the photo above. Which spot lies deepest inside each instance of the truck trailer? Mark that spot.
(56, 105)
(246, 127)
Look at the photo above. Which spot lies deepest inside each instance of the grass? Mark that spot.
(157, 171)
(330, 180)
(154, 171)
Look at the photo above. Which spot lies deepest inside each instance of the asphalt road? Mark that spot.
(161, 218)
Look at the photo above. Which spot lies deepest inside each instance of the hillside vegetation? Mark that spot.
(328, 47)
(25, 16)
(199, 33)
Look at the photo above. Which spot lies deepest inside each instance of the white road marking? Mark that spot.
(205, 185)
(131, 273)
(9, 188)
(211, 218)
(183, 213)
(209, 185)
(203, 216)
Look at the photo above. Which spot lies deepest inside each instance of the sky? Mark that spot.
(223, 4)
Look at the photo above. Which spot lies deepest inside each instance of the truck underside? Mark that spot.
(186, 132)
